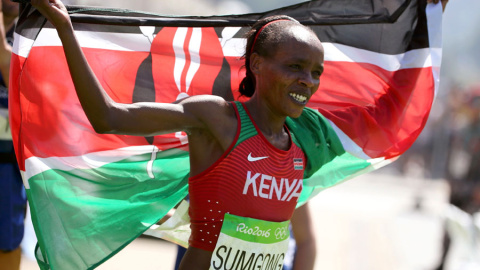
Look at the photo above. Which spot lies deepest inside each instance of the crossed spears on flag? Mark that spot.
(186, 45)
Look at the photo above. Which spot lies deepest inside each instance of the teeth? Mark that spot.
(298, 97)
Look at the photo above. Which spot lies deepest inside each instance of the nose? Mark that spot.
(306, 79)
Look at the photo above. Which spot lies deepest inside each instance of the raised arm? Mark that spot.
(108, 116)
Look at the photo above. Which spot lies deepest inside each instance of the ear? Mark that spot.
(255, 63)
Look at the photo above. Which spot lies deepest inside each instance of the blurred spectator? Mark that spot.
(463, 175)
(12, 193)
(463, 171)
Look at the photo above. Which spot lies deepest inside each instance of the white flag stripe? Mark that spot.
(22, 45)
(434, 23)
(98, 40)
(36, 165)
(348, 144)
(419, 58)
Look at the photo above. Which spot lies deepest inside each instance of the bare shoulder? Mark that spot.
(215, 133)
(202, 100)
(211, 110)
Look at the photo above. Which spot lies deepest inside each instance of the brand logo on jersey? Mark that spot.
(298, 163)
(252, 159)
(269, 187)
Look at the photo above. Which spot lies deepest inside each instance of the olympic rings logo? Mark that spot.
(281, 233)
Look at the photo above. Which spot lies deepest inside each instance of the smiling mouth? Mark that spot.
(299, 98)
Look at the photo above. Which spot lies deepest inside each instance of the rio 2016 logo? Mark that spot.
(253, 231)
(280, 232)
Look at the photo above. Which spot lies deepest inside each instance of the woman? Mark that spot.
(243, 159)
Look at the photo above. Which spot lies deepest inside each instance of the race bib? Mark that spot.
(247, 243)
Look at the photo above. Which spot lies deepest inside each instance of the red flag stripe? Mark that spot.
(382, 111)
(338, 100)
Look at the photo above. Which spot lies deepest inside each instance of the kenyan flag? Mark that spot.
(92, 194)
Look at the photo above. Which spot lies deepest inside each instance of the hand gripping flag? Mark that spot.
(92, 194)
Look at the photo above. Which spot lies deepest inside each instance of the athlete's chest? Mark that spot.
(258, 170)
(254, 153)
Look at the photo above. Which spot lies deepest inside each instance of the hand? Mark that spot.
(54, 11)
(444, 2)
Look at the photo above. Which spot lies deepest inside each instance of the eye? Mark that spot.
(316, 74)
(295, 67)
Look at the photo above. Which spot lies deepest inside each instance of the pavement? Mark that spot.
(374, 222)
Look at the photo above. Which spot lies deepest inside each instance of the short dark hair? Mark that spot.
(261, 36)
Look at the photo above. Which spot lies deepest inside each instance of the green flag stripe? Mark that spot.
(89, 215)
(342, 168)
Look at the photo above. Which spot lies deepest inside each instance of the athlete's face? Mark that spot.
(289, 78)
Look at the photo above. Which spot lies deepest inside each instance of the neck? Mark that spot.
(267, 120)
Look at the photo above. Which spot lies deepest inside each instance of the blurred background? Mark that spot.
(398, 216)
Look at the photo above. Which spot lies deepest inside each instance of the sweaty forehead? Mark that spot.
(288, 37)
(299, 33)
(296, 33)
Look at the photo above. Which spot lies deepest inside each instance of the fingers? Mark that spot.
(47, 4)
(444, 2)
(53, 10)
(41, 5)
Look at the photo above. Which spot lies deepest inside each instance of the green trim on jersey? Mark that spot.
(247, 128)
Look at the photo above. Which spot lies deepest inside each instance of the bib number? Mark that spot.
(247, 243)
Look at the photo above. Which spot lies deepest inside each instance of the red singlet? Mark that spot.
(252, 179)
